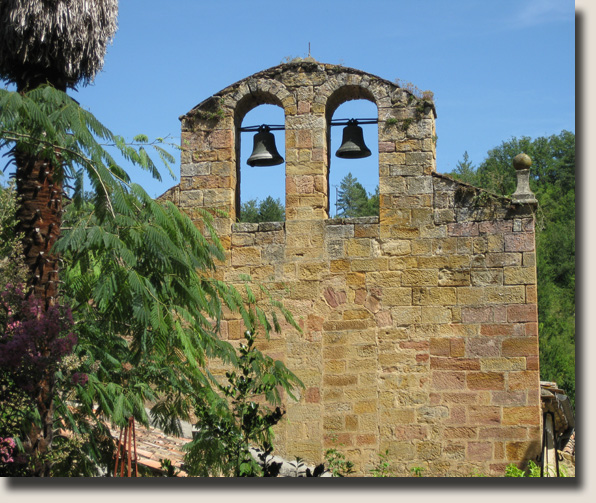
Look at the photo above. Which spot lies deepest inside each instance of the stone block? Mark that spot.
(440, 363)
(386, 146)
(495, 243)
(443, 216)
(356, 280)
(246, 256)
(335, 366)
(448, 380)
(339, 266)
(366, 230)
(367, 439)
(435, 314)
(312, 271)
(369, 265)
(519, 275)
(445, 246)
(340, 380)
(485, 381)
(434, 296)
(522, 450)
(519, 242)
(483, 347)
(506, 294)
(479, 451)
(396, 247)
(399, 416)
(503, 259)
(384, 319)
(428, 450)
(524, 380)
(520, 346)
(420, 277)
(529, 259)
(397, 296)
(450, 277)
(405, 315)
(481, 314)
(334, 297)
(304, 290)
(363, 407)
(502, 364)
(359, 248)
(486, 277)
(518, 398)
(440, 346)
(333, 422)
(462, 229)
(484, 415)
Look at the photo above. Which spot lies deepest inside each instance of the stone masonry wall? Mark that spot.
(419, 327)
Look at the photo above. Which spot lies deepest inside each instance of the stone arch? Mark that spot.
(259, 93)
(347, 93)
(252, 93)
(338, 97)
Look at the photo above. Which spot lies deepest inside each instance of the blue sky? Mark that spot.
(497, 69)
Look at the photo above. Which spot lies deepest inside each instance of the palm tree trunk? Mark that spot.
(39, 219)
(39, 216)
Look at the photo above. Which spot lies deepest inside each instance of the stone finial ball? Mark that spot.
(522, 161)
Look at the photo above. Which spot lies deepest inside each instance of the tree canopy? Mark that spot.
(354, 201)
(268, 210)
(138, 312)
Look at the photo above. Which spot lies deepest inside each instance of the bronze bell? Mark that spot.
(352, 145)
(264, 152)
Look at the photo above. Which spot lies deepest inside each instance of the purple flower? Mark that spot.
(80, 378)
(34, 341)
(7, 446)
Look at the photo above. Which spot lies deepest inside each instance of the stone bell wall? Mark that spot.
(419, 327)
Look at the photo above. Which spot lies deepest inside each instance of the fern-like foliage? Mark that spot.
(137, 274)
(47, 123)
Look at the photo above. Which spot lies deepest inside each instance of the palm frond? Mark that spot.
(61, 41)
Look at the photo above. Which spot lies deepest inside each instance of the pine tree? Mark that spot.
(353, 201)
(464, 170)
(268, 210)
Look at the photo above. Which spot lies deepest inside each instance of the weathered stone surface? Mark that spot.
(419, 326)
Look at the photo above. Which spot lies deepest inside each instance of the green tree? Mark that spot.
(372, 204)
(138, 276)
(353, 201)
(145, 310)
(464, 170)
(59, 43)
(12, 267)
(268, 210)
(232, 422)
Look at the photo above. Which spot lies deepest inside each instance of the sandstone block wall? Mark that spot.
(419, 327)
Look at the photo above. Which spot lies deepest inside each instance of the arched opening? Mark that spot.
(261, 189)
(354, 183)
